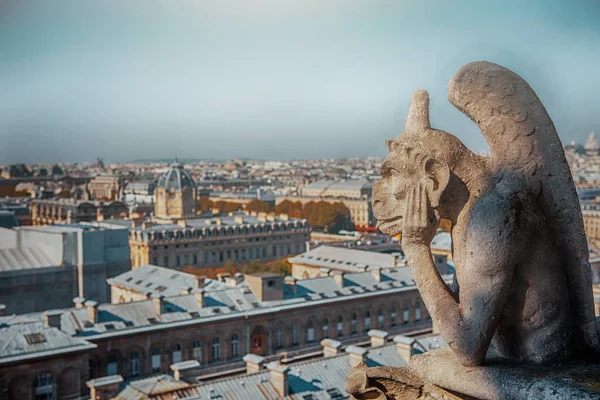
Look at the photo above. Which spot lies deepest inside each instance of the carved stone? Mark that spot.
(522, 291)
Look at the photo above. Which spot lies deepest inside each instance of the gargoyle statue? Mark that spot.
(523, 280)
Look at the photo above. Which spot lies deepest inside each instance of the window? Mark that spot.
(165, 261)
(310, 333)
(325, 328)
(195, 259)
(216, 345)
(294, 334)
(380, 319)
(279, 338)
(417, 311)
(393, 317)
(205, 258)
(197, 351)
(44, 388)
(405, 315)
(186, 259)
(367, 321)
(274, 251)
(353, 323)
(156, 359)
(264, 252)
(221, 256)
(155, 260)
(134, 364)
(176, 354)
(235, 346)
(111, 366)
(340, 326)
(177, 261)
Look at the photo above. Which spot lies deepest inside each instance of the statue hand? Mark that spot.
(421, 220)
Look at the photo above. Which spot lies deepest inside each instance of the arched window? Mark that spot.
(380, 319)
(325, 328)
(367, 321)
(279, 338)
(294, 334)
(176, 354)
(44, 387)
(197, 351)
(216, 346)
(340, 326)
(353, 323)
(310, 333)
(235, 351)
(393, 317)
(111, 366)
(134, 364)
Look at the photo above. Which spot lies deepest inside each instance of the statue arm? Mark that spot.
(469, 322)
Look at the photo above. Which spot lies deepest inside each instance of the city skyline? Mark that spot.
(304, 80)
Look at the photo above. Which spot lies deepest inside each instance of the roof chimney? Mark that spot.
(104, 388)
(376, 272)
(279, 377)
(238, 219)
(378, 338)
(78, 301)
(52, 318)
(338, 277)
(404, 347)
(185, 291)
(157, 302)
(331, 347)
(222, 276)
(182, 223)
(253, 362)
(200, 281)
(92, 308)
(357, 355)
(185, 369)
(199, 295)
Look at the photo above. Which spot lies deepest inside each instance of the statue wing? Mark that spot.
(522, 138)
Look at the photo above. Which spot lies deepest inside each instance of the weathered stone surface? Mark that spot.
(501, 381)
(522, 271)
(392, 383)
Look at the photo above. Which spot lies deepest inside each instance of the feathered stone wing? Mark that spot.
(522, 138)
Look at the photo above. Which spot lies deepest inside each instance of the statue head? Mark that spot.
(418, 154)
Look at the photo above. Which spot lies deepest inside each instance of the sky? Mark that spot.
(272, 79)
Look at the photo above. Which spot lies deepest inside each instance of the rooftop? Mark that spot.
(350, 260)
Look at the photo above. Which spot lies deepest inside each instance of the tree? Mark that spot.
(57, 170)
(258, 206)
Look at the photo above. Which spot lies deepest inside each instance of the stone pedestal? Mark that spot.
(497, 381)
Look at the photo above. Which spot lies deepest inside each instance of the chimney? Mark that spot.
(181, 223)
(338, 277)
(331, 347)
(185, 291)
(78, 301)
(254, 363)
(185, 370)
(239, 277)
(200, 281)
(404, 347)
(215, 211)
(279, 377)
(2, 309)
(52, 318)
(104, 388)
(221, 276)
(199, 295)
(284, 217)
(357, 355)
(376, 272)
(230, 282)
(378, 338)
(157, 302)
(238, 219)
(307, 245)
(271, 217)
(92, 308)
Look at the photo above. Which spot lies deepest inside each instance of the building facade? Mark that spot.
(67, 211)
(264, 315)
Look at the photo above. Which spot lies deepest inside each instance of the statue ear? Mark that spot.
(439, 173)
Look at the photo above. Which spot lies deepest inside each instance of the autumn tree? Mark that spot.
(258, 206)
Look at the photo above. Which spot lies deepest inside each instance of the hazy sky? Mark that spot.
(272, 79)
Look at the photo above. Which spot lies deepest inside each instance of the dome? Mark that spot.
(175, 178)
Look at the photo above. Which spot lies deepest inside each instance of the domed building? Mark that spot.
(175, 194)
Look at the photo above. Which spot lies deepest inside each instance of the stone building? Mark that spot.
(45, 267)
(67, 211)
(265, 315)
(175, 195)
(591, 145)
(105, 187)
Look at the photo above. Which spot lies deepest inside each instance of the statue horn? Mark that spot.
(418, 112)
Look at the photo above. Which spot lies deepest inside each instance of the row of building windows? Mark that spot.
(215, 232)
